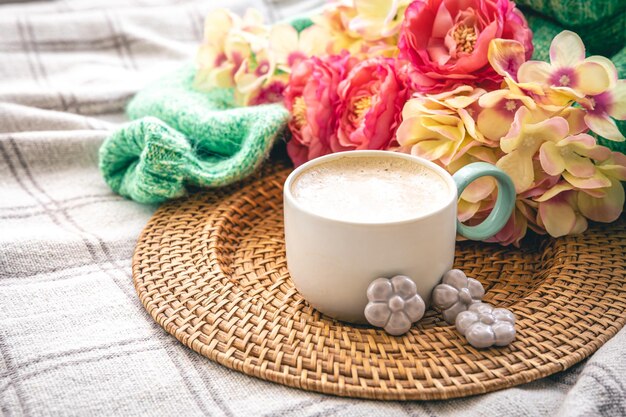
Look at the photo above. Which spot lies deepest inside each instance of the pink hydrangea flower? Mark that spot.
(602, 108)
(522, 142)
(312, 97)
(569, 74)
(605, 204)
(558, 211)
(446, 42)
(371, 100)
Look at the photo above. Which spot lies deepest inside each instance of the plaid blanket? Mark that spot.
(74, 338)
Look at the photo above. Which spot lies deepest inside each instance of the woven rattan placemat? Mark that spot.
(211, 271)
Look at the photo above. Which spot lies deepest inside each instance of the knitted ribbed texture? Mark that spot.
(183, 137)
(575, 12)
(600, 23)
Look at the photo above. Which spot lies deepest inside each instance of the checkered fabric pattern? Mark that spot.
(74, 338)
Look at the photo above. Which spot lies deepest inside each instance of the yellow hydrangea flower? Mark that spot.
(229, 40)
(365, 28)
(569, 74)
(440, 127)
(523, 140)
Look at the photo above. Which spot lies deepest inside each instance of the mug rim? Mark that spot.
(452, 196)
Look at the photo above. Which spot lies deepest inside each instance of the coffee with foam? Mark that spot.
(370, 189)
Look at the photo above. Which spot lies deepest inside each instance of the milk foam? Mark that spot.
(370, 189)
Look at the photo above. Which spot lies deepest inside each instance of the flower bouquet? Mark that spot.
(452, 82)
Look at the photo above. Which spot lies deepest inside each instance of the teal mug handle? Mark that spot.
(503, 208)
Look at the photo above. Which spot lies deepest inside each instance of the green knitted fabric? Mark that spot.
(575, 12)
(603, 37)
(182, 137)
(301, 23)
(600, 23)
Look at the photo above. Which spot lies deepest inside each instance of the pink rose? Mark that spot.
(312, 97)
(371, 100)
(445, 42)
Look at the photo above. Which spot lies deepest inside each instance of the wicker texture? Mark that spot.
(211, 271)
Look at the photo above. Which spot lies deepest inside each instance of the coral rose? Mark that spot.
(371, 100)
(445, 42)
(312, 97)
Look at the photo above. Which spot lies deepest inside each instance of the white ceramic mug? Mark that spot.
(332, 262)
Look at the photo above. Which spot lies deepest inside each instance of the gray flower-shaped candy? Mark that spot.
(484, 326)
(394, 304)
(455, 294)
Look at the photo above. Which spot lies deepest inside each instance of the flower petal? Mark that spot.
(410, 130)
(618, 106)
(579, 165)
(594, 192)
(605, 209)
(479, 189)
(504, 333)
(221, 77)
(377, 314)
(607, 64)
(449, 127)
(375, 19)
(480, 335)
(534, 72)
(604, 126)
(414, 308)
(493, 123)
(593, 78)
(444, 296)
(483, 154)
(575, 119)
(566, 49)
(519, 168)
(404, 286)
(247, 82)
(580, 226)
(615, 166)
(432, 149)
(502, 314)
(558, 216)
(492, 98)
(455, 278)
(380, 290)
(464, 320)
(217, 25)
(470, 124)
(476, 289)
(506, 56)
(462, 101)
(515, 135)
(597, 180)
(398, 324)
(466, 210)
(443, 21)
(551, 159)
(554, 191)
(450, 314)
(314, 40)
(481, 308)
(552, 129)
(282, 41)
(253, 17)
